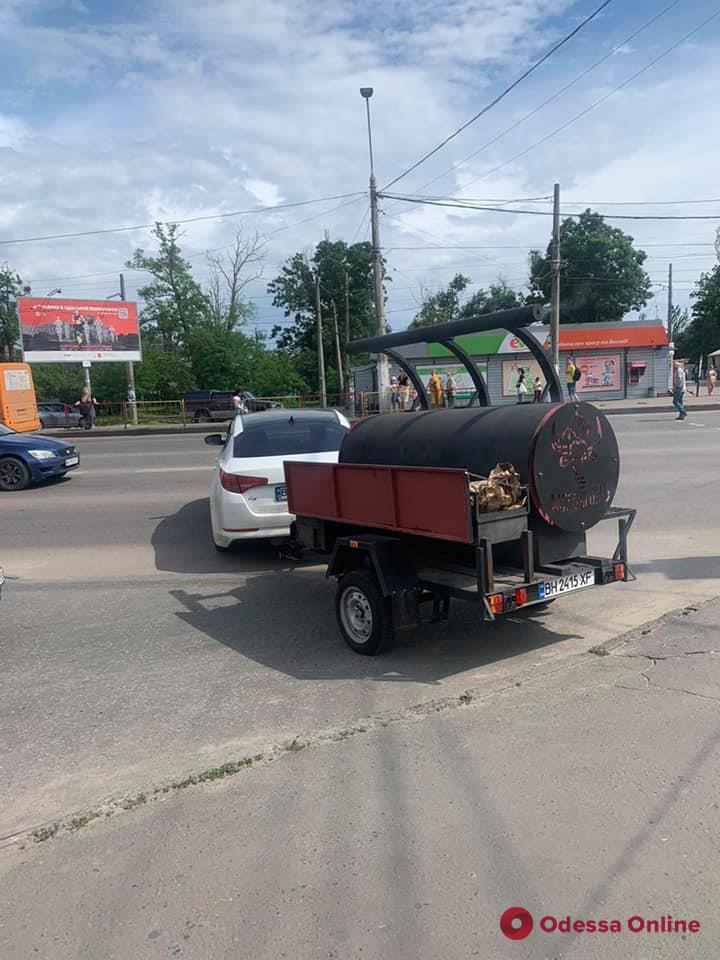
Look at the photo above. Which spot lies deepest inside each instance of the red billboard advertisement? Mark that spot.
(599, 373)
(68, 331)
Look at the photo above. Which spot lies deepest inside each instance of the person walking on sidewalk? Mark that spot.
(450, 389)
(711, 380)
(571, 379)
(521, 385)
(436, 390)
(537, 390)
(86, 405)
(679, 384)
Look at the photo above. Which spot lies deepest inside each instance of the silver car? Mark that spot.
(58, 415)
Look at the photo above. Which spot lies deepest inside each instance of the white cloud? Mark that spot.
(200, 109)
(268, 194)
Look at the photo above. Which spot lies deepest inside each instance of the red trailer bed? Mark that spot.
(427, 501)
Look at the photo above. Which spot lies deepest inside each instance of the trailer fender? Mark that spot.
(392, 565)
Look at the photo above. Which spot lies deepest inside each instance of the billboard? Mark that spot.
(599, 373)
(464, 388)
(68, 331)
(510, 371)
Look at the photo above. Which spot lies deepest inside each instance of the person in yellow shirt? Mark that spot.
(436, 390)
(571, 379)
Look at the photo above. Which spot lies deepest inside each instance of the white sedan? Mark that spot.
(248, 498)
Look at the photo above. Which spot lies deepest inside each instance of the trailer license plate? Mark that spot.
(574, 581)
(280, 494)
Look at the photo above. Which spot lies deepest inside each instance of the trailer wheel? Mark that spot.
(363, 614)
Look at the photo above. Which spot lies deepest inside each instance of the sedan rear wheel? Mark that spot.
(14, 475)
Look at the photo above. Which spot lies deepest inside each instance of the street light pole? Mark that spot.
(383, 378)
(130, 369)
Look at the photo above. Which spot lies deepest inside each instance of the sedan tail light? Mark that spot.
(238, 484)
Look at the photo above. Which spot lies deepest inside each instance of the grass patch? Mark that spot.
(77, 823)
(294, 746)
(216, 773)
(465, 698)
(45, 833)
(129, 803)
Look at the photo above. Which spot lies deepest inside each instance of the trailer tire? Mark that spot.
(363, 614)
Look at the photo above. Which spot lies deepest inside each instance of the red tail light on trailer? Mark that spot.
(235, 483)
(497, 602)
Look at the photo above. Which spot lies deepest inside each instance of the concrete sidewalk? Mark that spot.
(589, 793)
(610, 407)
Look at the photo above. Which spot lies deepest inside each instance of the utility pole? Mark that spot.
(671, 349)
(383, 375)
(321, 353)
(555, 283)
(130, 368)
(338, 354)
(347, 329)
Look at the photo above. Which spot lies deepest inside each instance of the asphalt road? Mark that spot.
(587, 793)
(133, 653)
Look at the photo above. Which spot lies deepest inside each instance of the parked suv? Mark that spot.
(206, 405)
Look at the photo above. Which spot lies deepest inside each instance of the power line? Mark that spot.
(555, 95)
(501, 95)
(458, 204)
(597, 102)
(214, 216)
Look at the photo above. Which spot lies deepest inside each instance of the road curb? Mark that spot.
(694, 408)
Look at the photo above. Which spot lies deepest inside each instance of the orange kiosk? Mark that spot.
(18, 407)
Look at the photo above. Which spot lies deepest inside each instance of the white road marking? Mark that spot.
(133, 470)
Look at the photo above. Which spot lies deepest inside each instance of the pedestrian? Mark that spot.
(394, 395)
(239, 401)
(404, 382)
(679, 383)
(436, 389)
(86, 405)
(711, 380)
(571, 379)
(521, 385)
(450, 389)
(537, 390)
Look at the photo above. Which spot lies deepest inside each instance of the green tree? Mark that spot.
(443, 306)
(602, 274)
(174, 303)
(222, 359)
(293, 291)
(499, 297)
(11, 287)
(702, 335)
(162, 375)
(58, 381)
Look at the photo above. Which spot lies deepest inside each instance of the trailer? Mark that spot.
(400, 523)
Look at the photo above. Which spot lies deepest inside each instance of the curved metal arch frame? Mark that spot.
(412, 374)
(481, 390)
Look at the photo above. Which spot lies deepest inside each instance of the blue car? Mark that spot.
(27, 458)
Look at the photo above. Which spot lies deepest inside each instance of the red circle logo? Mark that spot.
(513, 929)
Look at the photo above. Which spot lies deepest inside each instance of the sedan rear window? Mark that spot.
(277, 438)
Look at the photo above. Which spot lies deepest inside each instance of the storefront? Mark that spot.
(616, 360)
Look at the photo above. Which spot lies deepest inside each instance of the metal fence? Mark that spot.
(166, 412)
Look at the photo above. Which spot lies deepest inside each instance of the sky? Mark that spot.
(122, 112)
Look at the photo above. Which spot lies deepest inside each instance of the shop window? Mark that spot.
(636, 372)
